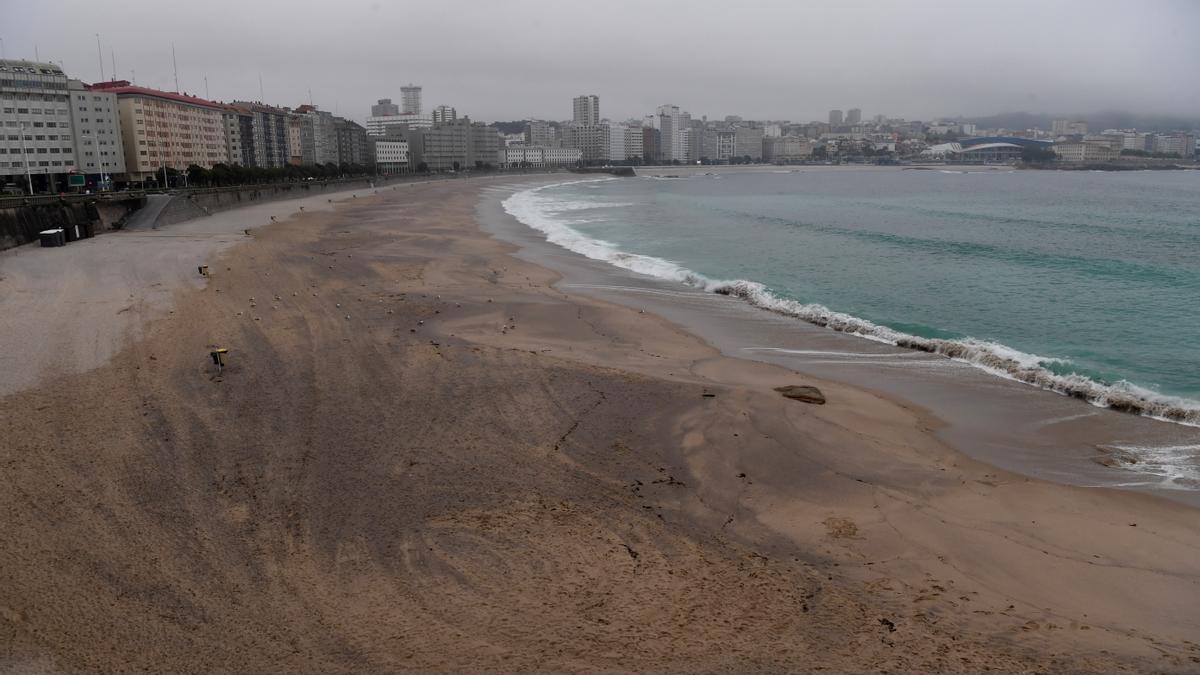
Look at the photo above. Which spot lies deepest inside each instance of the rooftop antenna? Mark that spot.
(100, 57)
(310, 95)
(175, 65)
(2, 56)
(205, 86)
(113, 55)
(36, 56)
(133, 75)
(261, 97)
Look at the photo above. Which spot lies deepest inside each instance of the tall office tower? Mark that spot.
(853, 116)
(385, 108)
(835, 117)
(410, 99)
(587, 109)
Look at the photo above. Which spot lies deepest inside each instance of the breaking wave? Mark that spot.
(545, 214)
(1174, 466)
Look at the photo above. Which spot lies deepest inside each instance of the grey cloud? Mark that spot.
(759, 59)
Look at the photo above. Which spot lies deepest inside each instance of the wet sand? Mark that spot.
(1000, 421)
(425, 456)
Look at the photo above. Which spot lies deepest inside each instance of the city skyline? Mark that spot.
(943, 74)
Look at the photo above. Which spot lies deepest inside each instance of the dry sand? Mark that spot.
(422, 456)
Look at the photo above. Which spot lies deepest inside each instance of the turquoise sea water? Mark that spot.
(1083, 282)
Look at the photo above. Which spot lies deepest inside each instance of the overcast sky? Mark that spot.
(761, 59)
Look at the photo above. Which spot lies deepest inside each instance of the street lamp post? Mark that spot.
(25, 160)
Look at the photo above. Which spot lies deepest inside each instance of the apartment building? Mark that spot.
(591, 139)
(352, 144)
(295, 143)
(385, 108)
(236, 142)
(540, 134)
(624, 142)
(675, 137)
(718, 145)
(1085, 152)
(265, 143)
(318, 136)
(410, 100)
(454, 145)
(538, 157)
(1183, 145)
(163, 129)
(96, 123)
(586, 109)
(786, 149)
(390, 125)
(484, 149)
(37, 144)
(748, 142)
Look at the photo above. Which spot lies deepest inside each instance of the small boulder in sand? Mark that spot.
(803, 393)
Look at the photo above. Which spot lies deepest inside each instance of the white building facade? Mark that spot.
(379, 125)
(37, 142)
(391, 155)
(99, 147)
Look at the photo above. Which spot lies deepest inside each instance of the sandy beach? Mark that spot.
(423, 455)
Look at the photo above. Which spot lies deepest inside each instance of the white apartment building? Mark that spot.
(624, 142)
(1085, 152)
(674, 127)
(1183, 145)
(99, 148)
(391, 155)
(379, 125)
(561, 156)
(539, 156)
(37, 143)
(443, 114)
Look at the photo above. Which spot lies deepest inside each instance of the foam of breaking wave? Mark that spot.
(544, 214)
(1176, 466)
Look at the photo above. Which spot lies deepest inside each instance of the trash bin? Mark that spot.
(71, 232)
(54, 237)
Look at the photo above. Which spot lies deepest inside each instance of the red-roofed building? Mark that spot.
(162, 128)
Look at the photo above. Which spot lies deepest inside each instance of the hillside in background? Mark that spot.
(1097, 121)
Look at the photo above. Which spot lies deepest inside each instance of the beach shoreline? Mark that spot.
(998, 418)
(426, 452)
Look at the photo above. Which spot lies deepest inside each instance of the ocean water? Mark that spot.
(1085, 283)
